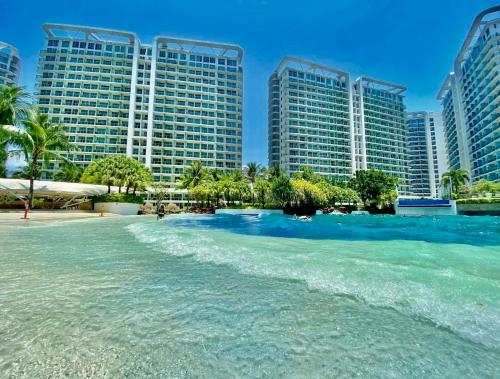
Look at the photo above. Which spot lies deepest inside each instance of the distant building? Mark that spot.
(427, 155)
(471, 101)
(166, 104)
(10, 65)
(309, 119)
(380, 130)
(319, 118)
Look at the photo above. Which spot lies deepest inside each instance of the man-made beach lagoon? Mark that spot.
(227, 296)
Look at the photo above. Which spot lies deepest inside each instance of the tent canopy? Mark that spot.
(48, 188)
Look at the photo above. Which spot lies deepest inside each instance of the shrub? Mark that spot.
(172, 208)
(482, 200)
(119, 198)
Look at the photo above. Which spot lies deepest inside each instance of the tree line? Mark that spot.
(303, 192)
(33, 136)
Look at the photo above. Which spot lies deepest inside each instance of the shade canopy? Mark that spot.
(48, 188)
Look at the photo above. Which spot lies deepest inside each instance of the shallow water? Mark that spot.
(241, 296)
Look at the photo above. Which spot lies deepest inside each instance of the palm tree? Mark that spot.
(13, 107)
(193, 175)
(252, 171)
(39, 140)
(69, 172)
(455, 179)
(119, 170)
(215, 174)
(275, 171)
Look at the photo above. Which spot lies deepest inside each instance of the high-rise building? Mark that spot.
(427, 155)
(166, 104)
(320, 119)
(9, 65)
(309, 118)
(471, 101)
(380, 130)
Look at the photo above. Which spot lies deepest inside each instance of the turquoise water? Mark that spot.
(239, 296)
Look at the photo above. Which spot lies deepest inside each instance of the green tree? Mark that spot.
(69, 172)
(306, 194)
(252, 171)
(262, 189)
(203, 192)
(39, 140)
(349, 196)
(307, 174)
(193, 175)
(484, 186)
(373, 186)
(118, 170)
(13, 109)
(455, 179)
(214, 174)
(282, 190)
(274, 172)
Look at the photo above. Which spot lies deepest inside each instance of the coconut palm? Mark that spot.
(214, 174)
(142, 177)
(13, 108)
(38, 141)
(274, 172)
(252, 171)
(455, 179)
(193, 175)
(69, 172)
(118, 170)
(13, 105)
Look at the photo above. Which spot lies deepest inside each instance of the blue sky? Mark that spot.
(412, 43)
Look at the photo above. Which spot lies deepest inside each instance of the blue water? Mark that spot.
(241, 296)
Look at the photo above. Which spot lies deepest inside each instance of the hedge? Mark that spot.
(119, 198)
(482, 200)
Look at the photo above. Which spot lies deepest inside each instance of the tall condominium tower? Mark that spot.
(380, 131)
(319, 118)
(427, 154)
(166, 104)
(471, 101)
(309, 118)
(9, 65)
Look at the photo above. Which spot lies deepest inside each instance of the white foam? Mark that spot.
(327, 266)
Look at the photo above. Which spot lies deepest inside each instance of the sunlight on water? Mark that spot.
(242, 296)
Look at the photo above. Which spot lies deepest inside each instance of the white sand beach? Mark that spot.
(16, 217)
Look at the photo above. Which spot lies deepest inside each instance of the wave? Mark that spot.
(448, 297)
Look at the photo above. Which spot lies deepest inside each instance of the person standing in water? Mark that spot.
(160, 213)
(26, 209)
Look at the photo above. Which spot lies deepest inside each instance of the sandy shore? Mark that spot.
(15, 217)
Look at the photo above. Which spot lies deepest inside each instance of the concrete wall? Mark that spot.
(126, 209)
(240, 211)
(427, 211)
(492, 209)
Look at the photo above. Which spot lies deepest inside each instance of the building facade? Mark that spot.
(380, 130)
(427, 155)
(309, 122)
(471, 101)
(10, 65)
(319, 118)
(166, 104)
